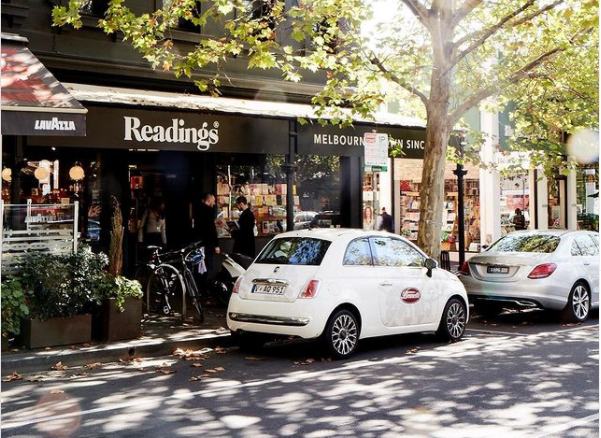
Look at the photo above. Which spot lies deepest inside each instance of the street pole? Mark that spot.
(290, 168)
(460, 172)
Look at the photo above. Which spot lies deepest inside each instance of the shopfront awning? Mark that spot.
(225, 105)
(33, 101)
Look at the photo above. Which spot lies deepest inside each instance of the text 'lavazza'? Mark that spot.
(202, 137)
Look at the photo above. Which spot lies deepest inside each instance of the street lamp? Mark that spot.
(460, 172)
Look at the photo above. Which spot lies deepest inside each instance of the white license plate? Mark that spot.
(497, 270)
(269, 289)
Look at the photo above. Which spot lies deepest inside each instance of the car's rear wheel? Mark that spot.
(579, 304)
(453, 321)
(341, 335)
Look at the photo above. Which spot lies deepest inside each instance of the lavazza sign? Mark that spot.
(177, 132)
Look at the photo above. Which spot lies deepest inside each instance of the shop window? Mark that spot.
(187, 24)
(265, 189)
(587, 193)
(261, 12)
(515, 193)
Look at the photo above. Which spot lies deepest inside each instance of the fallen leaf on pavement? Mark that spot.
(255, 358)
(164, 370)
(93, 366)
(199, 377)
(36, 379)
(412, 350)
(86, 345)
(305, 362)
(16, 350)
(219, 369)
(14, 376)
(196, 365)
(47, 348)
(56, 391)
(60, 367)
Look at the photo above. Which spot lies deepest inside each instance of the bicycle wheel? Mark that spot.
(163, 284)
(193, 293)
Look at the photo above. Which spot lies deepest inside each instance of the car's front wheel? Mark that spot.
(579, 304)
(341, 335)
(453, 321)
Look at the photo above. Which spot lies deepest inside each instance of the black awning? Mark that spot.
(33, 101)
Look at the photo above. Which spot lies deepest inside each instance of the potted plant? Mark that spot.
(119, 313)
(14, 308)
(60, 290)
(447, 242)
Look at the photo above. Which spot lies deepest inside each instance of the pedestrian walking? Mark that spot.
(206, 231)
(244, 234)
(386, 223)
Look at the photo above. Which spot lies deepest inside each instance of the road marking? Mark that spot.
(500, 332)
(447, 350)
(495, 332)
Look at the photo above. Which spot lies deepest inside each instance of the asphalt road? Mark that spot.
(518, 376)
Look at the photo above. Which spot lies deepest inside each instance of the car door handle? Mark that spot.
(587, 264)
(386, 284)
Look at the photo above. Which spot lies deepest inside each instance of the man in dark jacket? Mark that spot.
(244, 235)
(386, 223)
(206, 231)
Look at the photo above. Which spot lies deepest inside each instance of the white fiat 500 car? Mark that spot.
(344, 285)
(555, 270)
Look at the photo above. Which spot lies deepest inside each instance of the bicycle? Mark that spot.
(169, 273)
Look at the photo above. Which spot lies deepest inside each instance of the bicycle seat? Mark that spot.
(153, 248)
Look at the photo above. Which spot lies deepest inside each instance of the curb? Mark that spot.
(43, 361)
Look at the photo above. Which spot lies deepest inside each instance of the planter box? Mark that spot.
(4, 343)
(56, 331)
(111, 325)
(447, 246)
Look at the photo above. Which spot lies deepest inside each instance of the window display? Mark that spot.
(265, 192)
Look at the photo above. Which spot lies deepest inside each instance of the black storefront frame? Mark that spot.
(113, 129)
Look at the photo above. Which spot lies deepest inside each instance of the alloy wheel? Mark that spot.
(344, 334)
(455, 320)
(580, 302)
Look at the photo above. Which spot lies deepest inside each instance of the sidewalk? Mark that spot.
(160, 336)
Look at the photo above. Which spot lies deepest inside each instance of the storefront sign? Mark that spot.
(132, 128)
(331, 140)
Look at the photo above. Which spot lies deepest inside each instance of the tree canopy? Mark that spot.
(449, 55)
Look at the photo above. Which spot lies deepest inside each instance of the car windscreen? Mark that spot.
(294, 251)
(544, 243)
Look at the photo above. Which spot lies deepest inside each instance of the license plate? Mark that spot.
(497, 270)
(269, 289)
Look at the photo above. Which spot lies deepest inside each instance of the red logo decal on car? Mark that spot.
(410, 295)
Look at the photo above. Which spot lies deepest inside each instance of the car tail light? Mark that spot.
(465, 269)
(236, 285)
(543, 271)
(310, 289)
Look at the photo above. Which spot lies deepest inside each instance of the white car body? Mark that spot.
(502, 277)
(387, 300)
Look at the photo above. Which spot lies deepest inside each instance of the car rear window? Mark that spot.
(544, 243)
(294, 251)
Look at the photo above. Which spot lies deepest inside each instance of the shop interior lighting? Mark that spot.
(7, 174)
(76, 173)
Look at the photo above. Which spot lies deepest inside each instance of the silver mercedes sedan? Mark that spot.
(555, 270)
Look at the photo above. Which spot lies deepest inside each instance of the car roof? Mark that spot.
(552, 232)
(334, 233)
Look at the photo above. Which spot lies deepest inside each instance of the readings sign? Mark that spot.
(376, 151)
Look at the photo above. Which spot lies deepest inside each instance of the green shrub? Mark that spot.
(61, 285)
(14, 306)
(120, 288)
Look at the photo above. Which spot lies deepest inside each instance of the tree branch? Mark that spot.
(486, 33)
(419, 11)
(394, 78)
(464, 10)
(516, 76)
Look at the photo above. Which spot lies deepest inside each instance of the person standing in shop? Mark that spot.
(244, 235)
(519, 220)
(152, 229)
(206, 232)
(386, 223)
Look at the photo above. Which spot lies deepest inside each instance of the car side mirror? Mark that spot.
(430, 264)
(485, 247)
